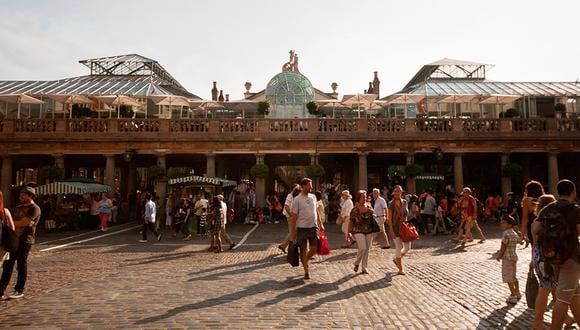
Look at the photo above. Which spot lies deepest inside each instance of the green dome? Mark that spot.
(289, 88)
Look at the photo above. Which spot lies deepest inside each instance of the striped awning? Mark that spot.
(77, 188)
(430, 177)
(196, 179)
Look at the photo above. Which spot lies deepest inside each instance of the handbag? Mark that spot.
(293, 256)
(323, 247)
(532, 287)
(375, 228)
(339, 220)
(10, 239)
(408, 232)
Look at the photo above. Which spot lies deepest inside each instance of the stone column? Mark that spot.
(6, 180)
(110, 170)
(458, 171)
(362, 170)
(411, 183)
(161, 184)
(260, 183)
(506, 183)
(59, 161)
(210, 165)
(553, 176)
(131, 177)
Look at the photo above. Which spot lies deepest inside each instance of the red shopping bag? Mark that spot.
(323, 247)
(408, 232)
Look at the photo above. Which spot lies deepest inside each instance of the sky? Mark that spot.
(231, 41)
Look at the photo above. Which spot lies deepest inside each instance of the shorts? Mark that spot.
(168, 220)
(568, 276)
(344, 225)
(381, 222)
(471, 222)
(309, 235)
(544, 271)
(508, 271)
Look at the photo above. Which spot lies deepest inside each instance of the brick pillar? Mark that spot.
(411, 183)
(110, 170)
(260, 183)
(6, 180)
(210, 165)
(362, 170)
(506, 183)
(553, 176)
(458, 171)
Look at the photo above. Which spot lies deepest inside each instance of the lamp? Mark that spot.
(128, 155)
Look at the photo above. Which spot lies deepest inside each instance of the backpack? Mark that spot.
(557, 239)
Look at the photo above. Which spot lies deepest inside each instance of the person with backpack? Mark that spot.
(559, 225)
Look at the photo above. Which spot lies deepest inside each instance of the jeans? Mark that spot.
(21, 258)
(363, 243)
(151, 226)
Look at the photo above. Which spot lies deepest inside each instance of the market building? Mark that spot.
(461, 127)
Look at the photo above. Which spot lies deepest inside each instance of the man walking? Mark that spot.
(287, 213)
(26, 217)
(149, 219)
(380, 210)
(305, 223)
(223, 234)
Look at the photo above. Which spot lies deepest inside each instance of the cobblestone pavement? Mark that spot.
(116, 282)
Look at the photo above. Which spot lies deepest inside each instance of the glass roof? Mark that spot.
(289, 88)
(450, 87)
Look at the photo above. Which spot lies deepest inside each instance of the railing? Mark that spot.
(568, 125)
(530, 125)
(35, 126)
(434, 125)
(386, 125)
(302, 128)
(138, 125)
(87, 125)
(188, 125)
(481, 125)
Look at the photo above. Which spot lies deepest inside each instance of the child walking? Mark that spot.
(507, 255)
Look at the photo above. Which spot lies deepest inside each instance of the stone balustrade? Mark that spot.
(271, 128)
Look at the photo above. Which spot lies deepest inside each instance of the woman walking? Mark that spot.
(532, 191)
(6, 223)
(396, 214)
(360, 224)
(105, 206)
(216, 218)
(345, 209)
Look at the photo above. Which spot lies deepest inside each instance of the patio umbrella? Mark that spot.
(331, 102)
(206, 105)
(498, 99)
(242, 106)
(403, 98)
(456, 98)
(358, 100)
(169, 100)
(119, 100)
(69, 99)
(19, 99)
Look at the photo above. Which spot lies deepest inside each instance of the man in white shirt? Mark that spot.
(286, 212)
(345, 208)
(380, 210)
(305, 223)
(223, 234)
(429, 210)
(149, 219)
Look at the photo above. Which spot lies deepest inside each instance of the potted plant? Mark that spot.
(51, 173)
(156, 172)
(510, 113)
(264, 107)
(176, 172)
(315, 171)
(259, 171)
(413, 170)
(313, 108)
(79, 111)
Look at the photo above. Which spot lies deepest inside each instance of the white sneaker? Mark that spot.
(16, 295)
(142, 241)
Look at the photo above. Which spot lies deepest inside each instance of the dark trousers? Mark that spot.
(21, 258)
(150, 226)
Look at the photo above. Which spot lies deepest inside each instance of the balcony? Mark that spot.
(275, 129)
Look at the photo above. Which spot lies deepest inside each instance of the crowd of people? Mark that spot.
(549, 224)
